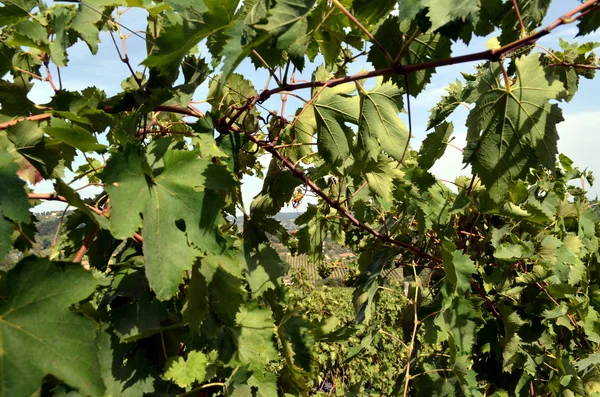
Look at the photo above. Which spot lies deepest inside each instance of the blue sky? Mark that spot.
(579, 133)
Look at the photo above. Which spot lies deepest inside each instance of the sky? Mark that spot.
(579, 133)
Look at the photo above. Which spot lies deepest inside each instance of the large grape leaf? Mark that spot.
(513, 129)
(332, 110)
(180, 208)
(379, 126)
(39, 335)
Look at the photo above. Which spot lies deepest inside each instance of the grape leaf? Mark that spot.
(184, 372)
(13, 202)
(265, 270)
(332, 111)
(84, 23)
(379, 124)
(422, 48)
(457, 94)
(28, 145)
(380, 177)
(456, 322)
(459, 269)
(140, 319)
(255, 337)
(179, 205)
(370, 12)
(37, 329)
(198, 20)
(73, 135)
(126, 373)
(434, 145)
(513, 129)
(443, 11)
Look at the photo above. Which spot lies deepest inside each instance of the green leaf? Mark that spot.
(589, 24)
(265, 270)
(443, 11)
(73, 135)
(379, 125)
(457, 95)
(58, 47)
(13, 202)
(421, 48)
(84, 23)
(140, 319)
(179, 205)
(285, 20)
(332, 111)
(456, 322)
(459, 269)
(197, 20)
(370, 12)
(513, 129)
(125, 372)
(195, 307)
(255, 337)
(185, 372)
(47, 156)
(511, 342)
(434, 145)
(37, 329)
(372, 263)
(380, 177)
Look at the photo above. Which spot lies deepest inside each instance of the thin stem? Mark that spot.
(411, 347)
(206, 386)
(553, 55)
(409, 118)
(59, 79)
(488, 55)
(516, 8)
(86, 244)
(35, 76)
(431, 371)
(293, 145)
(332, 203)
(48, 78)
(266, 65)
(506, 77)
(78, 177)
(574, 65)
(355, 21)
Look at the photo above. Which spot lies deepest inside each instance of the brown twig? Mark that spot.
(107, 109)
(488, 55)
(86, 244)
(266, 65)
(516, 8)
(573, 65)
(46, 62)
(334, 204)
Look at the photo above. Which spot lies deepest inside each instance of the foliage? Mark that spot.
(499, 291)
